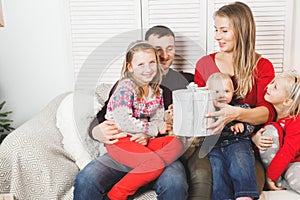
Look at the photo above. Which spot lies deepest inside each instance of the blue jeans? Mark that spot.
(98, 177)
(233, 170)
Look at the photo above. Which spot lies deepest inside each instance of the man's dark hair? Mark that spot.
(160, 31)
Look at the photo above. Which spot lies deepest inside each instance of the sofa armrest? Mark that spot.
(33, 162)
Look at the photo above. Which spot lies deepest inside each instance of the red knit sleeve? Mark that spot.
(204, 68)
(198, 79)
(288, 152)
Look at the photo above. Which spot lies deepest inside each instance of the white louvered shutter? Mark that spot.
(188, 21)
(273, 28)
(98, 30)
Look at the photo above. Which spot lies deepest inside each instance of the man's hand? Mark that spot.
(262, 142)
(107, 132)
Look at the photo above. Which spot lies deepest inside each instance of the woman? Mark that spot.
(235, 33)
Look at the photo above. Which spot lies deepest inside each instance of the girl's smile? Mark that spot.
(143, 66)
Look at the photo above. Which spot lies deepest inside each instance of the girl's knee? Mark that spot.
(292, 176)
(295, 185)
(270, 131)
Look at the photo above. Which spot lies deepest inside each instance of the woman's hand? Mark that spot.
(107, 132)
(262, 142)
(272, 185)
(140, 138)
(226, 114)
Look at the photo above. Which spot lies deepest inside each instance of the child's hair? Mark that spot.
(292, 88)
(144, 46)
(218, 78)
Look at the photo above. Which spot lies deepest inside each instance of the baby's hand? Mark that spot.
(237, 128)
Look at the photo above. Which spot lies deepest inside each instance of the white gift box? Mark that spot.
(190, 106)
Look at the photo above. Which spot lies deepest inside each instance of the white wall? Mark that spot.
(296, 39)
(34, 63)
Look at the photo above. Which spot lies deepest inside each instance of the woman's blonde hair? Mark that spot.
(144, 46)
(244, 57)
(292, 89)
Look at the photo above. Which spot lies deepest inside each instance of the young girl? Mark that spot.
(137, 108)
(280, 149)
(232, 158)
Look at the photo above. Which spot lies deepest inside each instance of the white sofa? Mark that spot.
(37, 162)
(34, 161)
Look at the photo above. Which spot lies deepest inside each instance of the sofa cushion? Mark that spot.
(74, 114)
(102, 92)
(71, 141)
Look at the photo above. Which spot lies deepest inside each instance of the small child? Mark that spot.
(137, 108)
(280, 148)
(232, 158)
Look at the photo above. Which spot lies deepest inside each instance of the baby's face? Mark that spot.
(224, 91)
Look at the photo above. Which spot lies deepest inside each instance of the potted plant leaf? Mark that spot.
(5, 123)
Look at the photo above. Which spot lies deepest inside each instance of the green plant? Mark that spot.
(5, 123)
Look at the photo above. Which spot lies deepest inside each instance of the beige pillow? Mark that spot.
(76, 140)
(71, 141)
(102, 92)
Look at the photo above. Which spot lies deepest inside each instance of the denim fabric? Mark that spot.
(98, 177)
(233, 170)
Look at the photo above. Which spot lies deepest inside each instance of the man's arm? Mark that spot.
(98, 119)
(101, 131)
(107, 132)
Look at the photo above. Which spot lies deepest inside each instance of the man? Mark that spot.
(102, 173)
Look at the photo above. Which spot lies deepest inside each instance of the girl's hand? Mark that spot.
(226, 114)
(237, 128)
(167, 127)
(107, 132)
(140, 138)
(262, 142)
(272, 185)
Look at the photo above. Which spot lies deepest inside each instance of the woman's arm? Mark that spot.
(261, 111)
(254, 116)
(228, 113)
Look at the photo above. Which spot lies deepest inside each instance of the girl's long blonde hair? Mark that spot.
(292, 89)
(134, 47)
(244, 57)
